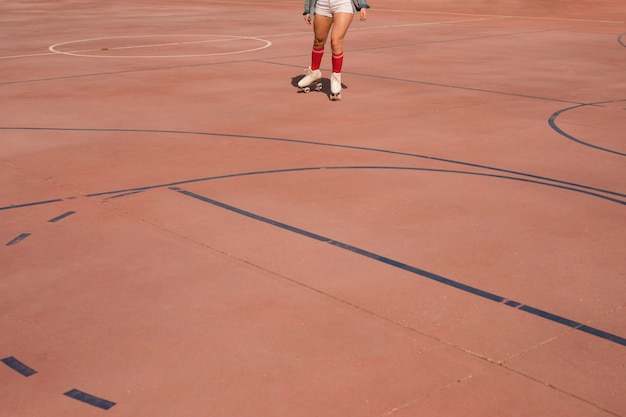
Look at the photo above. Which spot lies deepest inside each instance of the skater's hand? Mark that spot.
(363, 14)
(307, 19)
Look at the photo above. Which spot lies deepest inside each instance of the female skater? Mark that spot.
(337, 14)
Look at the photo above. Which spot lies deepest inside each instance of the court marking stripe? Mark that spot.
(53, 48)
(18, 239)
(89, 399)
(376, 9)
(445, 22)
(19, 366)
(552, 123)
(495, 16)
(296, 141)
(61, 217)
(414, 270)
(130, 191)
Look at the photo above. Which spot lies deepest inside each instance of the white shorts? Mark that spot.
(330, 7)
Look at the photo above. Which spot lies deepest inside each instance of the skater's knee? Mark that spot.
(336, 45)
(319, 43)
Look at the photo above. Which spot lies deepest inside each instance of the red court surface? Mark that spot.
(183, 234)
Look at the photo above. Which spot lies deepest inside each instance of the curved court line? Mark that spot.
(446, 281)
(417, 271)
(555, 127)
(353, 167)
(79, 53)
(130, 191)
(331, 145)
(620, 40)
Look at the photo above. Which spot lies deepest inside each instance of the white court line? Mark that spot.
(565, 19)
(153, 45)
(374, 10)
(26, 55)
(76, 52)
(568, 20)
(308, 32)
(53, 49)
(444, 22)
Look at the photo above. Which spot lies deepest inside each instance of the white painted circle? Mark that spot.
(220, 38)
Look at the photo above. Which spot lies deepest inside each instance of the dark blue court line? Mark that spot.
(26, 371)
(124, 194)
(369, 167)
(306, 142)
(268, 61)
(89, 399)
(18, 366)
(101, 74)
(554, 126)
(130, 191)
(36, 203)
(449, 86)
(61, 217)
(18, 239)
(408, 268)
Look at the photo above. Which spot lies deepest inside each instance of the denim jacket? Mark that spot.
(309, 6)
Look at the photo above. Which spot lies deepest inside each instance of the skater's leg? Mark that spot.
(321, 29)
(337, 62)
(316, 58)
(341, 23)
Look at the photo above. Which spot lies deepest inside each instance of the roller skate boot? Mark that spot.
(335, 86)
(312, 78)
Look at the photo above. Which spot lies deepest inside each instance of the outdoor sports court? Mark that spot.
(183, 234)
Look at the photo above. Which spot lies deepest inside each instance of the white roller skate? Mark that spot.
(335, 86)
(312, 77)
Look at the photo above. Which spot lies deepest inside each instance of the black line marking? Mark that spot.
(513, 304)
(555, 127)
(620, 40)
(269, 62)
(124, 194)
(18, 239)
(295, 141)
(61, 217)
(434, 84)
(89, 399)
(556, 184)
(36, 203)
(18, 366)
(478, 174)
(408, 268)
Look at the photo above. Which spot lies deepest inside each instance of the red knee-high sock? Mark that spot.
(316, 58)
(337, 62)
